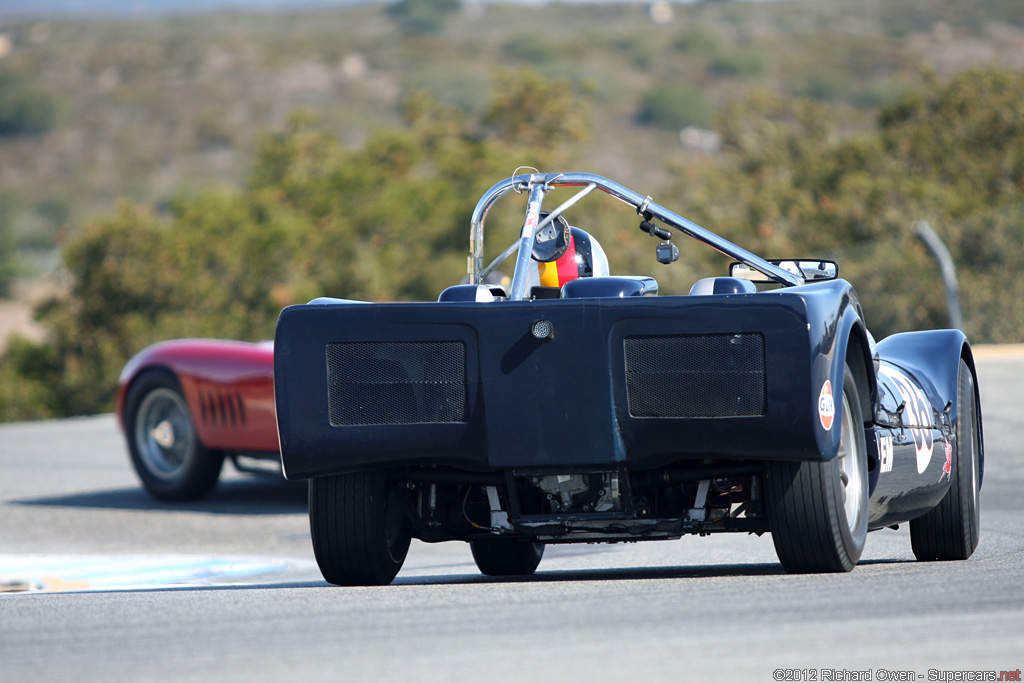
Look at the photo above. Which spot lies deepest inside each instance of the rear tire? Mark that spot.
(162, 441)
(951, 529)
(818, 511)
(359, 530)
(502, 557)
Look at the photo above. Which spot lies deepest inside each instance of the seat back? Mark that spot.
(610, 286)
(722, 285)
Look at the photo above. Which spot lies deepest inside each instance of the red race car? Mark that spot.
(184, 405)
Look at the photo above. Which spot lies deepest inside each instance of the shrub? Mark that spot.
(23, 110)
(674, 107)
(424, 16)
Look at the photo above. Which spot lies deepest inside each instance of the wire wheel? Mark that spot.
(166, 452)
(164, 434)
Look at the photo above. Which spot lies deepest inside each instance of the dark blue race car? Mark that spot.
(570, 405)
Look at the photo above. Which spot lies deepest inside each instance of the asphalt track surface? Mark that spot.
(109, 585)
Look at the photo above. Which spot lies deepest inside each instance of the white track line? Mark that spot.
(61, 573)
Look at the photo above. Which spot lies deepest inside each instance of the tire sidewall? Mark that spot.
(395, 525)
(967, 475)
(853, 538)
(506, 557)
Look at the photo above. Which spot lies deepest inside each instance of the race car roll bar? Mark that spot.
(538, 184)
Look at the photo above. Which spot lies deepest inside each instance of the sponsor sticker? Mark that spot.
(947, 467)
(885, 453)
(826, 405)
(532, 219)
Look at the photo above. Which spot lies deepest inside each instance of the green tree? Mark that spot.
(530, 111)
(951, 153)
(424, 16)
(386, 221)
(23, 109)
(674, 107)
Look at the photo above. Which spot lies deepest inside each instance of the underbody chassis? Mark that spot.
(593, 506)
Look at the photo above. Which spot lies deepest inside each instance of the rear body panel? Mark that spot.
(635, 382)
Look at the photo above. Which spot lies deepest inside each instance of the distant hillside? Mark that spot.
(80, 8)
(267, 158)
(147, 107)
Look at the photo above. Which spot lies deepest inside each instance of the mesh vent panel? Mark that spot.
(719, 375)
(390, 383)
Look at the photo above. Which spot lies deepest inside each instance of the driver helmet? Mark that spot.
(567, 253)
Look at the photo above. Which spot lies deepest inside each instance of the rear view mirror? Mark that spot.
(811, 270)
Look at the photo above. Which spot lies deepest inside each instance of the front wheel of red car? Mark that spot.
(818, 511)
(166, 452)
(359, 530)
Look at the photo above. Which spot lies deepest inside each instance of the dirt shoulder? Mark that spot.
(16, 312)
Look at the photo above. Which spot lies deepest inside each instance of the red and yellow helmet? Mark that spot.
(565, 253)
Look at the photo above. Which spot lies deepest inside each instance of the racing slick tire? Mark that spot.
(501, 557)
(818, 511)
(359, 530)
(165, 450)
(950, 530)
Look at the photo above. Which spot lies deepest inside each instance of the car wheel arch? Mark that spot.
(851, 349)
(858, 356)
